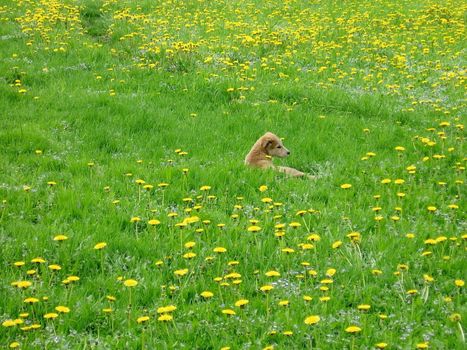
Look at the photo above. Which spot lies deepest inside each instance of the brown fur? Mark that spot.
(268, 146)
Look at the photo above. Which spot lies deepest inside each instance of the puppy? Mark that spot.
(268, 146)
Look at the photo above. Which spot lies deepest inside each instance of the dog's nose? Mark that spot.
(288, 152)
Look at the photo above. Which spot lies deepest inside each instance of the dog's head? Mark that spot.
(273, 146)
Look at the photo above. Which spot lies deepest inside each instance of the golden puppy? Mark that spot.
(268, 146)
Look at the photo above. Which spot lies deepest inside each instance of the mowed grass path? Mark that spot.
(128, 219)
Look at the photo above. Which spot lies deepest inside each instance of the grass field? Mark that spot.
(128, 220)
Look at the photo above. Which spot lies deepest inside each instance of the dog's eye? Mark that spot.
(279, 146)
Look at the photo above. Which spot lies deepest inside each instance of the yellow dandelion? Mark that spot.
(313, 319)
(60, 238)
(181, 272)
(272, 273)
(241, 303)
(142, 319)
(130, 283)
(63, 309)
(166, 309)
(154, 222)
(207, 294)
(336, 244)
(165, 318)
(353, 329)
(9, 323)
(100, 245)
(228, 312)
(266, 288)
(459, 283)
(254, 228)
(31, 300)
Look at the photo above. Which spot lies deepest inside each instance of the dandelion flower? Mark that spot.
(287, 250)
(254, 228)
(165, 318)
(100, 245)
(130, 283)
(314, 319)
(189, 255)
(228, 312)
(63, 309)
(31, 300)
(22, 284)
(181, 272)
(272, 274)
(266, 288)
(207, 294)
(314, 237)
(9, 323)
(353, 329)
(60, 238)
(142, 319)
(166, 309)
(336, 244)
(242, 303)
(459, 283)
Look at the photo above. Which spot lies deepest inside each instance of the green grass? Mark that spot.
(109, 90)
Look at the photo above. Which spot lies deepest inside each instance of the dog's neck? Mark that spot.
(265, 159)
(258, 157)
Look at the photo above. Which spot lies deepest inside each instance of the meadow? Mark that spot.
(129, 221)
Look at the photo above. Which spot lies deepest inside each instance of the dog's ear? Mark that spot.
(267, 142)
